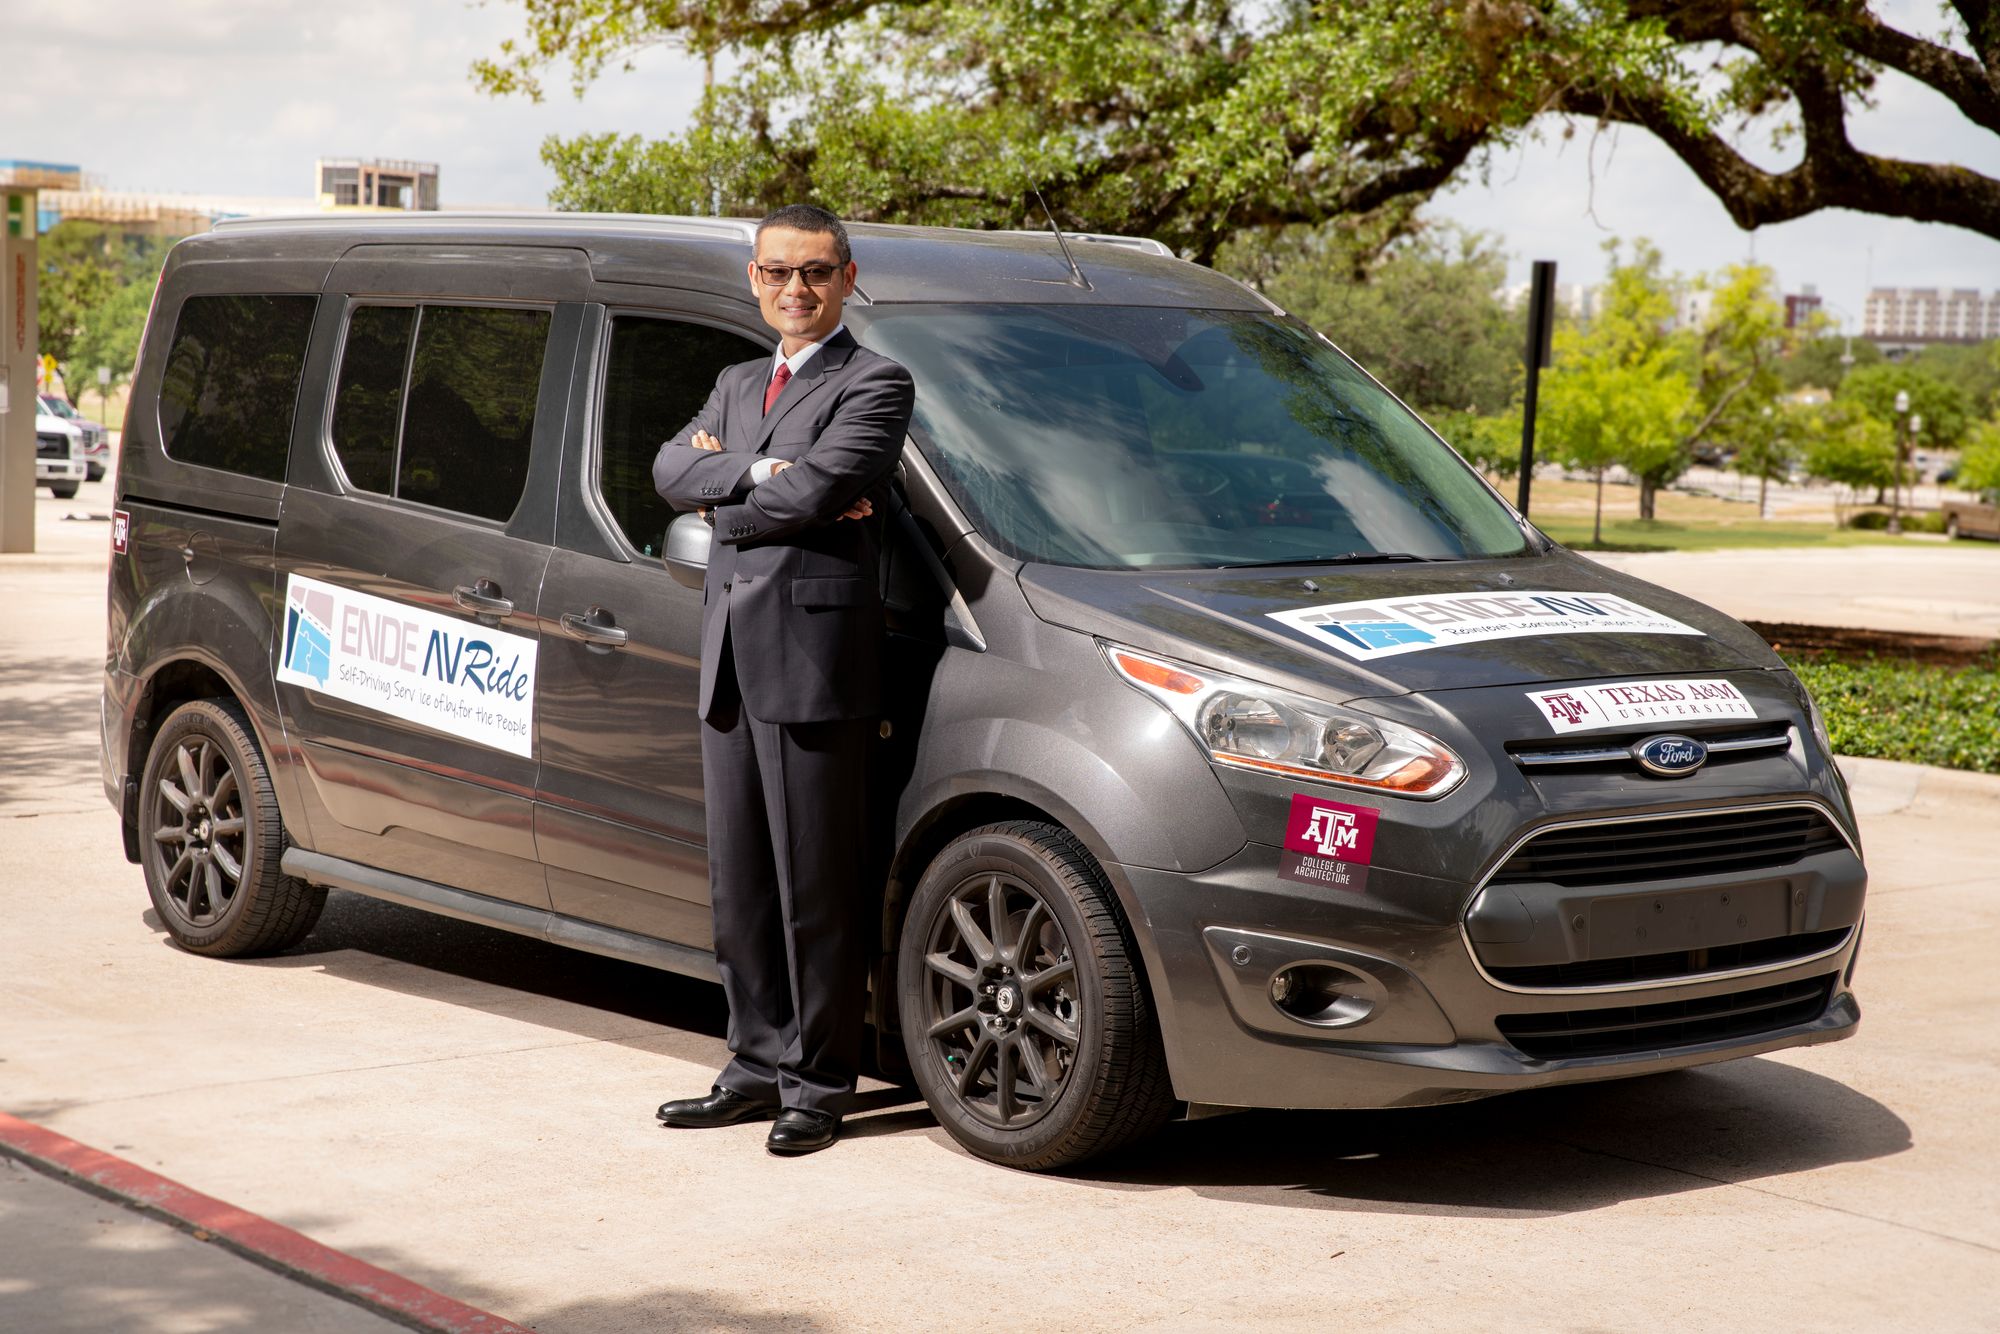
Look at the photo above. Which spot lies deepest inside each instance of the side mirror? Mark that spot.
(686, 553)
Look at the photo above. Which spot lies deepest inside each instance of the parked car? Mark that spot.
(96, 440)
(1981, 518)
(59, 458)
(1243, 747)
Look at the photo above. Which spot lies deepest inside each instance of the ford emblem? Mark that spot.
(1670, 756)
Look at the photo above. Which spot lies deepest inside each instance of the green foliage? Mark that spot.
(1846, 446)
(81, 268)
(1944, 407)
(1490, 444)
(1979, 466)
(1190, 119)
(1816, 361)
(1895, 709)
(1971, 368)
(1421, 315)
(110, 337)
(1739, 346)
(96, 289)
(1771, 443)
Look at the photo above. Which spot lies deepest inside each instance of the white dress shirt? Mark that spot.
(761, 470)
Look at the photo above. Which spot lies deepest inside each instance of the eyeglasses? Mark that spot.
(812, 275)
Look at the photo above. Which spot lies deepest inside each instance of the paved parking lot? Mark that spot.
(473, 1110)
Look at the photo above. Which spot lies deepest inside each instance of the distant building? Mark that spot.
(1911, 316)
(1583, 302)
(347, 185)
(376, 183)
(1800, 306)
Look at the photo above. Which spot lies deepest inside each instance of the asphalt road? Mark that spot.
(473, 1110)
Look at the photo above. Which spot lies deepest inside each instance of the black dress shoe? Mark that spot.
(722, 1107)
(802, 1130)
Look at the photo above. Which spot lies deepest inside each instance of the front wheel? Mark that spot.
(1024, 1014)
(212, 838)
(64, 490)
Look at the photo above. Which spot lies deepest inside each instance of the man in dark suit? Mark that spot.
(784, 454)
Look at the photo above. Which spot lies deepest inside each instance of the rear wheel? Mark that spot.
(1027, 1023)
(64, 490)
(211, 838)
(1951, 528)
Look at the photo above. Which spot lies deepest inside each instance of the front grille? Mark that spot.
(1674, 963)
(51, 447)
(1612, 752)
(1668, 847)
(1627, 1029)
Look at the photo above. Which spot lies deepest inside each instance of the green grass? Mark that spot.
(1703, 535)
(1896, 709)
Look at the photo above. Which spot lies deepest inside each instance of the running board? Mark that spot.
(319, 869)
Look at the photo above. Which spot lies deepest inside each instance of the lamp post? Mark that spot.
(1896, 481)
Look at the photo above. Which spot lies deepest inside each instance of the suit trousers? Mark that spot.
(786, 829)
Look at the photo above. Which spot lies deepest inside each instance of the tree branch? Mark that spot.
(1834, 174)
(1969, 85)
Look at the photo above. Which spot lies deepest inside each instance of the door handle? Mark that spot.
(482, 599)
(594, 628)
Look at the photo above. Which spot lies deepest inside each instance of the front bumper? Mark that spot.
(61, 470)
(1422, 1023)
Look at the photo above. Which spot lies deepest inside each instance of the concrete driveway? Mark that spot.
(474, 1110)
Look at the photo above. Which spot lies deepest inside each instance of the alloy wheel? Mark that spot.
(199, 825)
(1001, 1012)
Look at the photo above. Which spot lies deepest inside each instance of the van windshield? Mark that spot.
(1126, 436)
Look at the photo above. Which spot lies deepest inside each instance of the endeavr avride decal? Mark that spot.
(1384, 627)
(455, 676)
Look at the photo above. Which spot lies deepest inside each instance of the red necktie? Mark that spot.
(777, 385)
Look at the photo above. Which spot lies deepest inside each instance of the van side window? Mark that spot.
(466, 395)
(659, 374)
(368, 403)
(473, 383)
(232, 380)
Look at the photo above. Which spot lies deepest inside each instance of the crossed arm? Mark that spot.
(855, 452)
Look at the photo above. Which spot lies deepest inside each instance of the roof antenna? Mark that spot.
(1076, 278)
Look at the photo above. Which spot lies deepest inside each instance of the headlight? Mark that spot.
(1254, 726)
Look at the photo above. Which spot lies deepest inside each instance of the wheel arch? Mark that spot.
(973, 802)
(190, 673)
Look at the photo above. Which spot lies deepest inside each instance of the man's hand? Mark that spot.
(703, 440)
(860, 509)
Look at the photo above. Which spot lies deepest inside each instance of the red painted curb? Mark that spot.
(270, 1244)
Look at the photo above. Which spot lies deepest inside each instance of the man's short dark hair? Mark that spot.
(809, 218)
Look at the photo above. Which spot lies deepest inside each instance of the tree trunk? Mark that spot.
(1647, 490)
(1597, 519)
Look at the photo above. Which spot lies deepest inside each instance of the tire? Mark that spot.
(210, 838)
(1041, 1051)
(64, 490)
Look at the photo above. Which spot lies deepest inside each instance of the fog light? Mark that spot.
(1317, 993)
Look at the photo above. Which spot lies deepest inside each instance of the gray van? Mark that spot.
(1244, 747)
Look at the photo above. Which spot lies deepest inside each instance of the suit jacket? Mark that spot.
(794, 585)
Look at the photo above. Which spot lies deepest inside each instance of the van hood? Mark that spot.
(1373, 630)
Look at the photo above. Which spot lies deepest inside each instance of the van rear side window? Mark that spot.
(450, 423)
(232, 380)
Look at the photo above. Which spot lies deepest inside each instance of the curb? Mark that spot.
(257, 1239)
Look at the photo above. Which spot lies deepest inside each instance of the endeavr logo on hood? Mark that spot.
(1670, 756)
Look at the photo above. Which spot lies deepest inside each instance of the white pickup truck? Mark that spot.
(60, 464)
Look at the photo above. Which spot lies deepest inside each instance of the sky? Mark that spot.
(239, 96)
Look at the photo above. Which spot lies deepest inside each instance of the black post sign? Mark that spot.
(1541, 331)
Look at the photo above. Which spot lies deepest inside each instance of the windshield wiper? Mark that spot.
(1348, 558)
